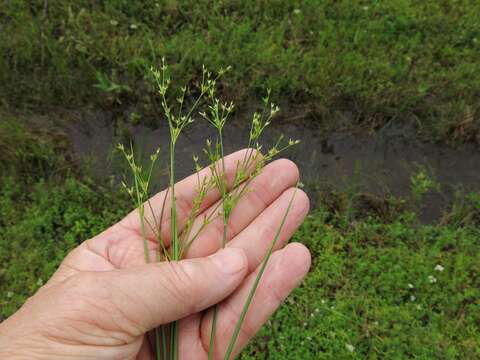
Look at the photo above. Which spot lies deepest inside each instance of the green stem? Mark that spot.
(164, 343)
(174, 242)
(212, 332)
(239, 324)
(223, 190)
(141, 212)
(174, 341)
(157, 345)
(173, 218)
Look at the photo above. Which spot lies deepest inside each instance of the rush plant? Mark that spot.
(209, 108)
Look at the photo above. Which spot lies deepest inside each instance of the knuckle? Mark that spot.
(85, 286)
(258, 193)
(184, 207)
(180, 284)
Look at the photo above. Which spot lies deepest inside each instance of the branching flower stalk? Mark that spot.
(176, 123)
(231, 190)
(217, 116)
(139, 192)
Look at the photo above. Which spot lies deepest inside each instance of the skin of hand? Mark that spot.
(103, 300)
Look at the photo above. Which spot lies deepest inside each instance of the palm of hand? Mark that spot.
(87, 315)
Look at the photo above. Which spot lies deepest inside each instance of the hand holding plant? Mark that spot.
(104, 300)
(191, 273)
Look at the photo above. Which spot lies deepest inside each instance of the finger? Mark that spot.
(122, 253)
(264, 189)
(189, 330)
(186, 191)
(145, 297)
(145, 352)
(257, 238)
(285, 270)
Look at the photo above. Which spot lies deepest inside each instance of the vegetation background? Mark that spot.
(383, 284)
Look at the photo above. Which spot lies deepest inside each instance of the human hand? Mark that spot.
(103, 300)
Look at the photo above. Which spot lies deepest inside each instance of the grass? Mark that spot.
(376, 292)
(344, 63)
(375, 289)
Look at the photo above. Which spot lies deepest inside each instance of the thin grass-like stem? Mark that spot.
(251, 294)
(223, 190)
(173, 240)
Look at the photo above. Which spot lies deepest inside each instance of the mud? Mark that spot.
(380, 164)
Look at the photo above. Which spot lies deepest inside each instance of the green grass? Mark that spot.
(375, 61)
(355, 303)
(371, 290)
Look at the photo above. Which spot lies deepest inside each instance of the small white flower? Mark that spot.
(412, 298)
(323, 301)
(9, 294)
(350, 347)
(133, 26)
(304, 324)
(410, 286)
(297, 11)
(432, 279)
(439, 268)
(317, 310)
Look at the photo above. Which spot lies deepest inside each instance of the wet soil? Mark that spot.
(379, 164)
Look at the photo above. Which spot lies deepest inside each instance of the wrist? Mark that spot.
(16, 342)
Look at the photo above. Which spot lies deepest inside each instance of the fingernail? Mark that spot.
(230, 260)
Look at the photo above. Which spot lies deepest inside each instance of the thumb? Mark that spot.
(159, 293)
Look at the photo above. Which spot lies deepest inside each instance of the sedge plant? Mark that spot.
(178, 115)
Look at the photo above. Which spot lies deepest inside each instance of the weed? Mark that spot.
(421, 183)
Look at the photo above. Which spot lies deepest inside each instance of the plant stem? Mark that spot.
(164, 343)
(174, 242)
(174, 341)
(224, 241)
(247, 303)
(157, 345)
(141, 212)
(173, 220)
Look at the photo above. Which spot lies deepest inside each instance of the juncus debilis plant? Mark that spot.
(231, 191)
